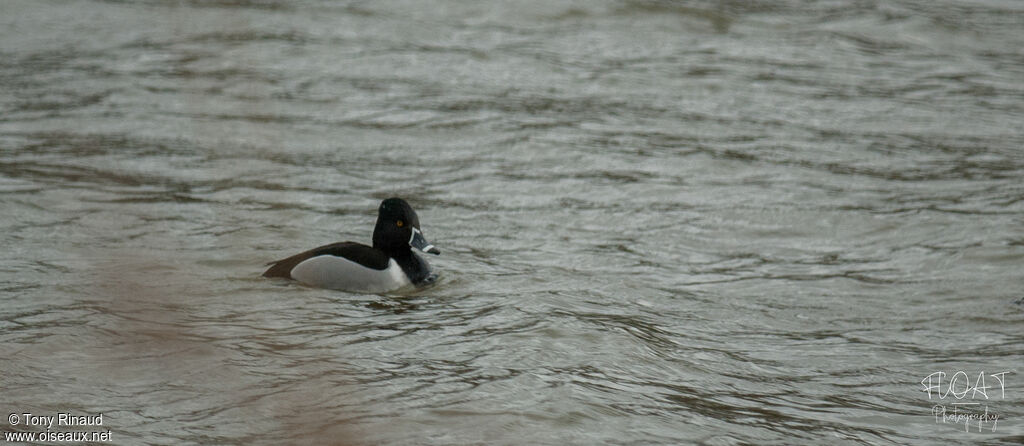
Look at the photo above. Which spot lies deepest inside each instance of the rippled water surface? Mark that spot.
(661, 222)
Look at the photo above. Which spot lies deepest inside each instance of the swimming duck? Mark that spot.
(388, 265)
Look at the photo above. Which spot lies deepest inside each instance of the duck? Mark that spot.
(389, 265)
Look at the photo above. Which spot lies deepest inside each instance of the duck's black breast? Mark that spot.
(356, 252)
(416, 268)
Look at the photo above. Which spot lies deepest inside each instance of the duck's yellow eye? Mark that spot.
(399, 223)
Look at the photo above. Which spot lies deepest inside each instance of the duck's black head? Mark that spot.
(398, 229)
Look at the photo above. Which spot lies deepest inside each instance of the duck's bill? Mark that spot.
(417, 241)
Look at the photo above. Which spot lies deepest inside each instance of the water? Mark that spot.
(661, 223)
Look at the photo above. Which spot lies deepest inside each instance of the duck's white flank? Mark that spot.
(339, 273)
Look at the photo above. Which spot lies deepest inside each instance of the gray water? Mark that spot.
(661, 223)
